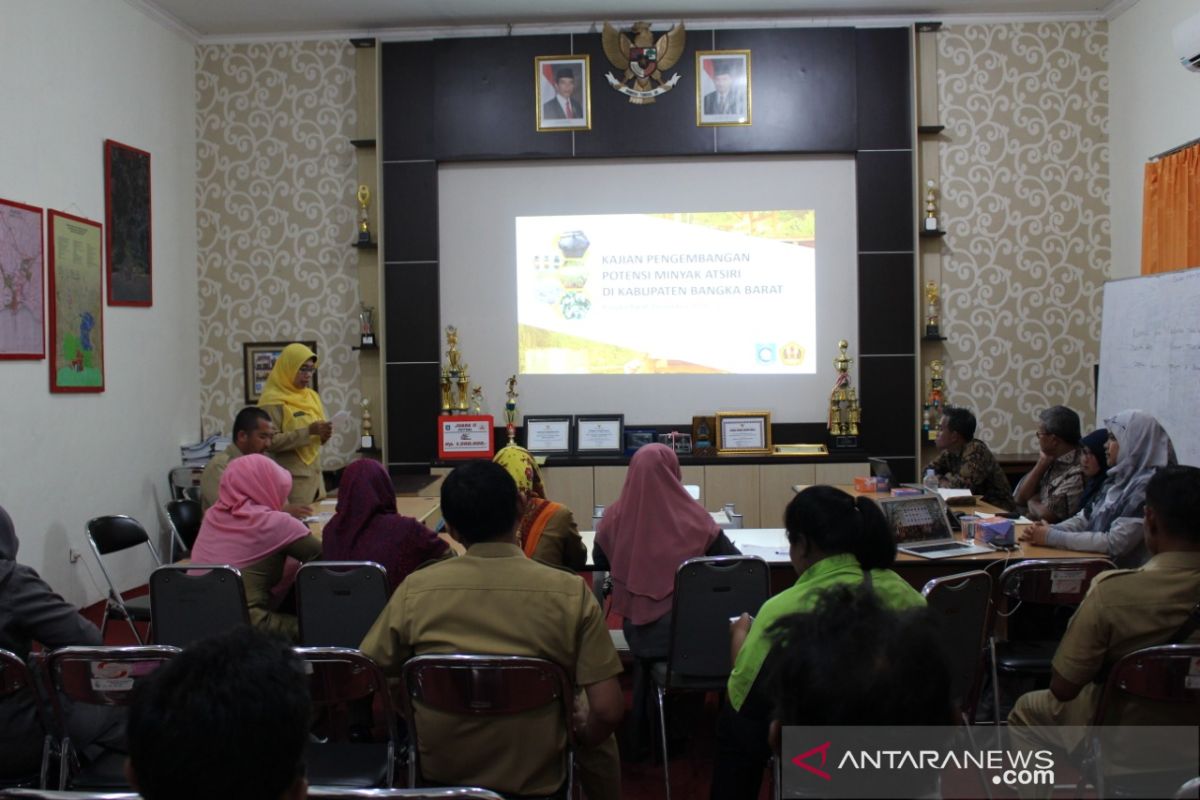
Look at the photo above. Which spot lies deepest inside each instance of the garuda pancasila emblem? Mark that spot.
(643, 60)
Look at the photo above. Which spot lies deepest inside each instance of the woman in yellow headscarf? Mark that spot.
(300, 424)
(548, 531)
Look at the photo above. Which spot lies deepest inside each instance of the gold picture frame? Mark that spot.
(553, 109)
(258, 359)
(743, 433)
(723, 97)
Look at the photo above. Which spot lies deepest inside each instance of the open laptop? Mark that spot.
(920, 528)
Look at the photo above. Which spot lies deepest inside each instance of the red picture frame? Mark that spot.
(466, 436)
(78, 297)
(127, 218)
(15, 220)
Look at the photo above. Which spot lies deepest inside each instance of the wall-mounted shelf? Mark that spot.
(363, 142)
(367, 245)
(932, 234)
(930, 130)
(366, 348)
(933, 338)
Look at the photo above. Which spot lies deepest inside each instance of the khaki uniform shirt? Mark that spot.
(1127, 610)
(308, 484)
(1061, 486)
(975, 468)
(560, 544)
(261, 577)
(494, 601)
(210, 478)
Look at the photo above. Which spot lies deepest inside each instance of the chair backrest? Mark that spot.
(963, 602)
(444, 793)
(1163, 674)
(185, 517)
(340, 675)
(25, 793)
(708, 592)
(484, 686)
(189, 602)
(185, 482)
(103, 676)
(1058, 581)
(111, 534)
(338, 601)
(16, 679)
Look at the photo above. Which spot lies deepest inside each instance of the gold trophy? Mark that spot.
(364, 227)
(931, 211)
(845, 413)
(454, 377)
(934, 402)
(367, 439)
(510, 409)
(932, 328)
(477, 400)
(366, 327)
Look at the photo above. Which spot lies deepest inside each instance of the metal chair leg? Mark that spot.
(137, 636)
(995, 684)
(662, 730)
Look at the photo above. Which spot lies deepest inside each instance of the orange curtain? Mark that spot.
(1171, 212)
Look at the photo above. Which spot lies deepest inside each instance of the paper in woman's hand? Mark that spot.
(340, 417)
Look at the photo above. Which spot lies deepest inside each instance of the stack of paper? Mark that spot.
(197, 454)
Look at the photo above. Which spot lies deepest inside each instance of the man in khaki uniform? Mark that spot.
(494, 600)
(252, 432)
(1124, 611)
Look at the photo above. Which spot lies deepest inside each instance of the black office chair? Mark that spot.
(16, 682)
(708, 591)
(185, 483)
(964, 603)
(189, 602)
(112, 534)
(337, 602)
(185, 517)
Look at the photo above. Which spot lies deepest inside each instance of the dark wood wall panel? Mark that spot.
(410, 225)
(413, 403)
(885, 205)
(886, 303)
(413, 331)
(884, 89)
(887, 390)
(407, 101)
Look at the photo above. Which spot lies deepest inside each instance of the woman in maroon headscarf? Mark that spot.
(652, 528)
(367, 527)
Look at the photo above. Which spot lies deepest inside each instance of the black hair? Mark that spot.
(960, 420)
(563, 72)
(226, 718)
(1174, 494)
(850, 661)
(1061, 422)
(479, 500)
(247, 420)
(838, 523)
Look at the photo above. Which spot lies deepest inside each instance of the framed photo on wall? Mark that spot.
(127, 215)
(562, 94)
(722, 87)
(76, 304)
(22, 282)
(258, 359)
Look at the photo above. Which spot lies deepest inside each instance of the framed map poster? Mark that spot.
(258, 359)
(22, 291)
(127, 215)
(76, 304)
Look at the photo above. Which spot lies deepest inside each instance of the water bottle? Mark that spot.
(931, 481)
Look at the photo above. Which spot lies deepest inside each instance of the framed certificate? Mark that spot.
(600, 435)
(746, 432)
(465, 436)
(548, 435)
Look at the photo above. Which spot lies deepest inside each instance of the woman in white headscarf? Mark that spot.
(1137, 446)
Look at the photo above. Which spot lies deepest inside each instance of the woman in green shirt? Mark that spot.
(835, 540)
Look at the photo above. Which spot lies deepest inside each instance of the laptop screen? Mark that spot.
(880, 468)
(916, 519)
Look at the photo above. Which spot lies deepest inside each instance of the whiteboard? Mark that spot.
(1150, 354)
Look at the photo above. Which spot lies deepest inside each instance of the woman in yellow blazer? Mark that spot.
(300, 424)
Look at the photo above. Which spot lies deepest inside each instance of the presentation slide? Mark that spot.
(724, 292)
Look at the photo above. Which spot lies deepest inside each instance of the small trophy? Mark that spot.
(932, 417)
(931, 212)
(367, 440)
(364, 227)
(454, 377)
(510, 409)
(845, 413)
(366, 326)
(477, 400)
(932, 329)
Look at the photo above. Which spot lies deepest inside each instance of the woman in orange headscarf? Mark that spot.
(548, 531)
(300, 424)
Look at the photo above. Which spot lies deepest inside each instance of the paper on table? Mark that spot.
(947, 494)
(340, 417)
(765, 552)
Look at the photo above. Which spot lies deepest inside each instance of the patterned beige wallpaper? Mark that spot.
(1025, 196)
(276, 219)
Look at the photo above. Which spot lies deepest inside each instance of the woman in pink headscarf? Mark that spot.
(652, 528)
(367, 526)
(246, 528)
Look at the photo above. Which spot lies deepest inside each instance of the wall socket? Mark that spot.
(72, 555)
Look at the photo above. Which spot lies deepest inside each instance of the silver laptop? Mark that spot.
(920, 528)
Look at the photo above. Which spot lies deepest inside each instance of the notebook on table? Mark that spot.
(920, 528)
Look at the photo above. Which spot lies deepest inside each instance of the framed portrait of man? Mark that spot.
(722, 87)
(562, 95)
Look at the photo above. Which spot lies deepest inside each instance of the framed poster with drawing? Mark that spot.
(722, 87)
(258, 359)
(562, 93)
(22, 287)
(127, 215)
(76, 304)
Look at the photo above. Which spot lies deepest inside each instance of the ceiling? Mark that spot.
(215, 19)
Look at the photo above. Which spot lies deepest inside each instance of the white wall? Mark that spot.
(1154, 105)
(71, 75)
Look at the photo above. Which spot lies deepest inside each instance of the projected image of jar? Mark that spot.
(573, 244)
(573, 274)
